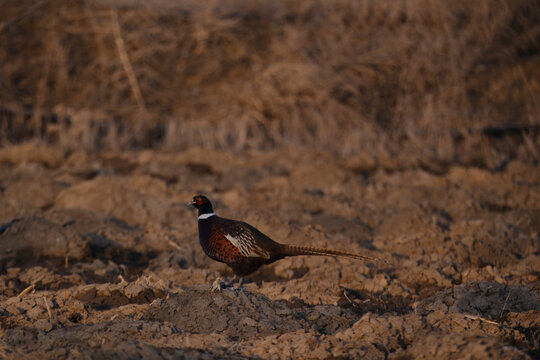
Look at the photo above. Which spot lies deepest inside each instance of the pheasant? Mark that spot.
(244, 248)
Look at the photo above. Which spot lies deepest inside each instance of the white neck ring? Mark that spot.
(206, 216)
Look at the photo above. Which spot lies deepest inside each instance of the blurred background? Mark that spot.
(421, 82)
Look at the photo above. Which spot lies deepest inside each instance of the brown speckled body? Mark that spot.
(212, 236)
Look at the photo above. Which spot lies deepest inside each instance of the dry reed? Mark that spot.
(421, 77)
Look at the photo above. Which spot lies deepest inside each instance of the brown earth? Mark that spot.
(109, 255)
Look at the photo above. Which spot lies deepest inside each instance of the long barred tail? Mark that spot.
(291, 250)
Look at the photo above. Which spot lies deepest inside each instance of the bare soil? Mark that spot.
(100, 257)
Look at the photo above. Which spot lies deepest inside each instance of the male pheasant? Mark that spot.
(244, 248)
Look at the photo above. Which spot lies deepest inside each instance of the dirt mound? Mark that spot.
(118, 198)
(107, 340)
(484, 299)
(243, 314)
(39, 239)
(460, 346)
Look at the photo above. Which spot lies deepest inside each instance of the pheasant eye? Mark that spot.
(198, 200)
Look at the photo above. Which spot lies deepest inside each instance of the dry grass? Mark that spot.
(380, 77)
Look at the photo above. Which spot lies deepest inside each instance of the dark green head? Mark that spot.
(202, 203)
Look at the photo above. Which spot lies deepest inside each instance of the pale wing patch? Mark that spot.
(247, 247)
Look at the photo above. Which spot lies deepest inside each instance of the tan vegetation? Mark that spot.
(348, 76)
